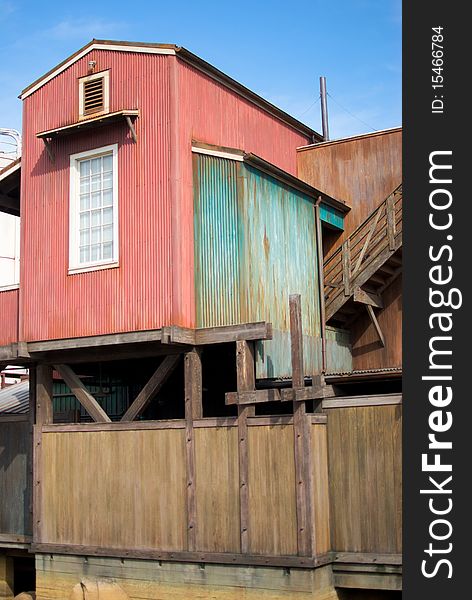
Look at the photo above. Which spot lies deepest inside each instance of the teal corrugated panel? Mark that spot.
(338, 350)
(255, 244)
(333, 217)
(217, 241)
(280, 258)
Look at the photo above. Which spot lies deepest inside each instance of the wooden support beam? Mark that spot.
(302, 438)
(253, 396)
(47, 145)
(370, 298)
(233, 333)
(193, 410)
(44, 408)
(246, 381)
(346, 267)
(82, 394)
(152, 387)
(131, 128)
(373, 318)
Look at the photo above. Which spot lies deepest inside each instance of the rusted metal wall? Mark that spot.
(135, 296)
(362, 171)
(255, 245)
(8, 317)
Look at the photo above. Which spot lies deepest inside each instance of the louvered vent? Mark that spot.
(93, 96)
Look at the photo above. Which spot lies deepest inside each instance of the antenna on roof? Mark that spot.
(324, 108)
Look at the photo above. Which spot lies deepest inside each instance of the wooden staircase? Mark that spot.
(361, 269)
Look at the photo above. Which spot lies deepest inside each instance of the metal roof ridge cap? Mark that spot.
(9, 169)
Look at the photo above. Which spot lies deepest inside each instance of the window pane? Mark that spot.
(108, 233)
(96, 234)
(84, 202)
(96, 165)
(84, 220)
(107, 198)
(95, 252)
(85, 255)
(96, 200)
(107, 180)
(108, 250)
(84, 168)
(96, 183)
(85, 237)
(84, 185)
(108, 162)
(96, 220)
(107, 216)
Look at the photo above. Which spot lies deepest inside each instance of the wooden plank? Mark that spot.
(366, 400)
(306, 393)
(82, 394)
(246, 379)
(346, 268)
(136, 337)
(179, 556)
(372, 229)
(253, 396)
(364, 297)
(233, 333)
(7, 418)
(373, 318)
(391, 221)
(37, 484)
(368, 581)
(152, 387)
(193, 410)
(302, 438)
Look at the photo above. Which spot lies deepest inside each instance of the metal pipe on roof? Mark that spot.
(324, 108)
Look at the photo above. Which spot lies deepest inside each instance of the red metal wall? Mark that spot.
(210, 112)
(8, 317)
(154, 284)
(136, 295)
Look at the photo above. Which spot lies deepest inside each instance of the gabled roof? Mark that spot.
(183, 54)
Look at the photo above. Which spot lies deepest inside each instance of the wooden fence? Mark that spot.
(122, 490)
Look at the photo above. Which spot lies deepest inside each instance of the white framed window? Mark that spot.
(94, 94)
(93, 237)
(9, 252)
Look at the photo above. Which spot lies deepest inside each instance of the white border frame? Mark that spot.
(74, 199)
(105, 75)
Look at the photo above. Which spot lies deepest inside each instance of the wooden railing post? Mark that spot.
(246, 381)
(302, 438)
(391, 222)
(347, 267)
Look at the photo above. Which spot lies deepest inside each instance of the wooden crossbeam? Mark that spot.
(82, 394)
(306, 393)
(373, 318)
(253, 396)
(364, 297)
(367, 241)
(152, 387)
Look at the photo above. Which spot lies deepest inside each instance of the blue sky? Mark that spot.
(278, 49)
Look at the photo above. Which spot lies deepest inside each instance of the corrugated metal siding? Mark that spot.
(137, 295)
(14, 399)
(338, 350)
(113, 397)
(8, 317)
(275, 252)
(217, 242)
